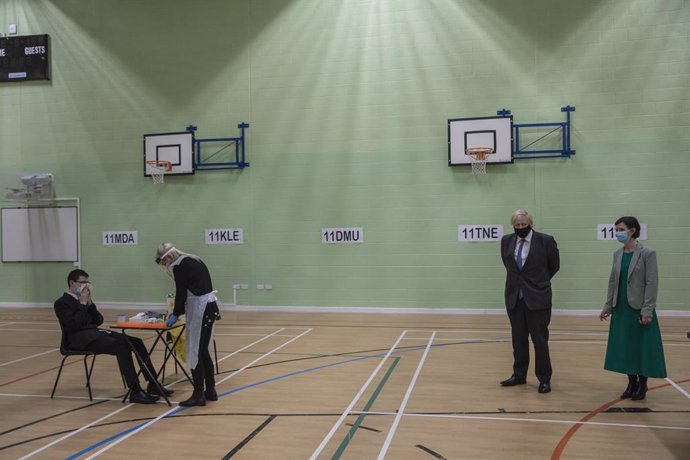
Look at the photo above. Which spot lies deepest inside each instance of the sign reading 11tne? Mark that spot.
(480, 233)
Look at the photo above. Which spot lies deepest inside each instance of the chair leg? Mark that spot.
(57, 379)
(88, 374)
(215, 354)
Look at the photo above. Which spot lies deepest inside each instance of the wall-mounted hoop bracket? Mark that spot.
(521, 152)
(205, 161)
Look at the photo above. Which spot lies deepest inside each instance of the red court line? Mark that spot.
(556, 455)
(48, 370)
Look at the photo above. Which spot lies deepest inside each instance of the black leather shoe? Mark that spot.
(139, 397)
(544, 387)
(211, 394)
(195, 400)
(513, 380)
(153, 390)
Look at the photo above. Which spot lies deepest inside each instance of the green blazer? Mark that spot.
(643, 280)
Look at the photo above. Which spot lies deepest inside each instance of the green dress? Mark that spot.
(632, 348)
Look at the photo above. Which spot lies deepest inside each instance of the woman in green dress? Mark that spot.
(634, 345)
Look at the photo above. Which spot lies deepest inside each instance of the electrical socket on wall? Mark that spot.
(12, 29)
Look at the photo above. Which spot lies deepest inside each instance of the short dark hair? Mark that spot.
(74, 275)
(630, 222)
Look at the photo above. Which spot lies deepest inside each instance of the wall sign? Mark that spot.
(224, 236)
(607, 232)
(120, 238)
(480, 233)
(348, 235)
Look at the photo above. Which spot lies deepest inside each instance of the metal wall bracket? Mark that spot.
(205, 162)
(522, 153)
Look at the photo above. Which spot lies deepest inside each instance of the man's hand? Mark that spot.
(85, 296)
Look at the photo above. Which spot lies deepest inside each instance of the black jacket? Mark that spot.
(80, 322)
(534, 279)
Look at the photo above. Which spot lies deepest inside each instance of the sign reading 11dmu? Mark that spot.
(348, 235)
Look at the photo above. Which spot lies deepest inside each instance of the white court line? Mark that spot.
(69, 435)
(7, 324)
(146, 425)
(132, 433)
(248, 335)
(18, 395)
(401, 409)
(355, 399)
(263, 356)
(234, 353)
(678, 387)
(535, 420)
(29, 357)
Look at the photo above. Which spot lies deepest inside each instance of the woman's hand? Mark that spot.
(645, 320)
(604, 315)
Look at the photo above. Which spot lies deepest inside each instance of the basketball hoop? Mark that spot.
(157, 169)
(478, 155)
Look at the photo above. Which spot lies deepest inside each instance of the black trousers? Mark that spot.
(526, 323)
(115, 343)
(204, 372)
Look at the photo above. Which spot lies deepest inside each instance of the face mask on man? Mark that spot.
(622, 237)
(522, 232)
(79, 288)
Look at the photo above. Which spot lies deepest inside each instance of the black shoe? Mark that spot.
(211, 394)
(153, 390)
(513, 380)
(641, 390)
(138, 396)
(631, 388)
(544, 387)
(195, 400)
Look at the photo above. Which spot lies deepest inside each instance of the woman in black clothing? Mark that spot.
(195, 298)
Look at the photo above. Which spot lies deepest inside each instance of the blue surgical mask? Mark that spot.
(622, 237)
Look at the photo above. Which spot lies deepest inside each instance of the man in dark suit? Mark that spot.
(80, 319)
(531, 260)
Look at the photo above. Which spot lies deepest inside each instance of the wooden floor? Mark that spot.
(351, 386)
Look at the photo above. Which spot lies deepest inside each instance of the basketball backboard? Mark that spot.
(491, 132)
(177, 148)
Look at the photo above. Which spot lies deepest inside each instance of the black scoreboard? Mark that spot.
(25, 58)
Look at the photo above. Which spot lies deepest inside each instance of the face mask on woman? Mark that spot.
(622, 237)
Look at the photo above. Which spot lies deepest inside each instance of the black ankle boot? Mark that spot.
(641, 390)
(197, 399)
(632, 387)
(211, 394)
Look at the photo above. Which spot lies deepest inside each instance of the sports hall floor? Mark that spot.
(350, 386)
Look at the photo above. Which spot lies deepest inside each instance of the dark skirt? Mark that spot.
(632, 348)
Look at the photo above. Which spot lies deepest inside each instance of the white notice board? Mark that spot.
(40, 234)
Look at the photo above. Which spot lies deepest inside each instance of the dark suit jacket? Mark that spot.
(80, 322)
(535, 277)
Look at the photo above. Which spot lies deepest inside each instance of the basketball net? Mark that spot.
(479, 159)
(158, 170)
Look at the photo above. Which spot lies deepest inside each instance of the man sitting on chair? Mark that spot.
(80, 319)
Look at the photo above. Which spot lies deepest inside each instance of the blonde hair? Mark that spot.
(521, 212)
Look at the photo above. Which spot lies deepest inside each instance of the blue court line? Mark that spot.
(262, 382)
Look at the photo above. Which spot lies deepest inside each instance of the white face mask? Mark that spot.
(79, 287)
